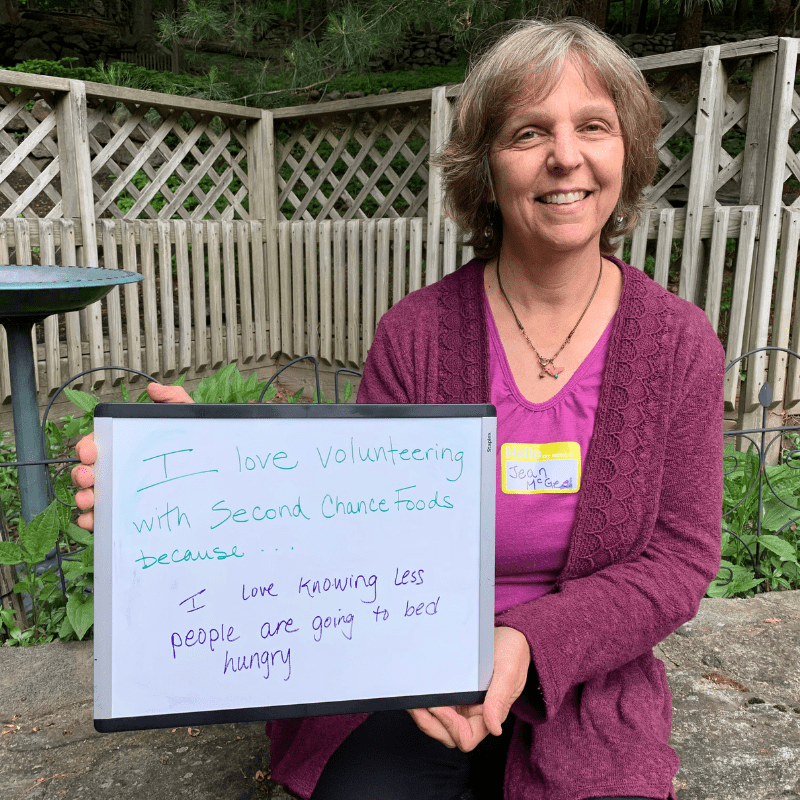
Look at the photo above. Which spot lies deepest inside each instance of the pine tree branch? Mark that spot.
(280, 91)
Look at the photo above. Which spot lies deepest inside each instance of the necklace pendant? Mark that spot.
(546, 366)
(551, 370)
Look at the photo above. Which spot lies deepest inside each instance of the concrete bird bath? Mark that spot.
(28, 294)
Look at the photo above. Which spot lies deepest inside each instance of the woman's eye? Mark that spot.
(596, 127)
(527, 135)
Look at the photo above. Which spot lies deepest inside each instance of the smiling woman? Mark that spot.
(592, 369)
(608, 392)
(556, 167)
(521, 70)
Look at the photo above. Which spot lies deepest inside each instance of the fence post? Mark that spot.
(754, 170)
(756, 146)
(769, 230)
(705, 163)
(78, 198)
(441, 114)
(784, 291)
(8, 598)
(263, 188)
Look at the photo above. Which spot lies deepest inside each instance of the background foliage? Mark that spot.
(275, 50)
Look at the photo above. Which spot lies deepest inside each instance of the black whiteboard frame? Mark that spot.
(289, 411)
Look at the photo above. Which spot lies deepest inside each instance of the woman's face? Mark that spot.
(557, 166)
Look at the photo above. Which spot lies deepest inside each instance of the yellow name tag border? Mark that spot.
(538, 454)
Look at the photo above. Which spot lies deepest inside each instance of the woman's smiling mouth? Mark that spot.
(562, 198)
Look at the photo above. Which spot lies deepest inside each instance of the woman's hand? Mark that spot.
(86, 450)
(465, 727)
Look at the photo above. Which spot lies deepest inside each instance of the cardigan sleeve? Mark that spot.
(384, 380)
(595, 624)
(401, 362)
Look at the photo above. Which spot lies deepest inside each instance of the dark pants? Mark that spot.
(388, 758)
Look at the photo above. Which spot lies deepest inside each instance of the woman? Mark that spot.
(552, 144)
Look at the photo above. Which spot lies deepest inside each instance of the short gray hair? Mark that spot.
(535, 51)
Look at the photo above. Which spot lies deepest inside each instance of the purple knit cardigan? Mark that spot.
(644, 546)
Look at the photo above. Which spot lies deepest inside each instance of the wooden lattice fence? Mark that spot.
(265, 235)
(367, 163)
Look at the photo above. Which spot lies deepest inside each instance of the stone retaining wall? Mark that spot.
(639, 44)
(48, 39)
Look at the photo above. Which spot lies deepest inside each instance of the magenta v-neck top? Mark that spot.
(540, 457)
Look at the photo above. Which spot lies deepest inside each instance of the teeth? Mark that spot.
(560, 199)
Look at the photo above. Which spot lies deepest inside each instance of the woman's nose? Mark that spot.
(565, 153)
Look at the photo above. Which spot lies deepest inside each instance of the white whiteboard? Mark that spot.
(258, 561)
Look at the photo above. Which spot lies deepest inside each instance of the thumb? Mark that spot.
(511, 660)
(496, 707)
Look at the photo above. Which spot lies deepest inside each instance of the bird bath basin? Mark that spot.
(33, 293)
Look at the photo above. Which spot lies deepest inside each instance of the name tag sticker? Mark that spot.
(553, 468)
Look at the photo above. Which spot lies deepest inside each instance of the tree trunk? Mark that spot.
(300, 26)
(142, 25)
(9, 12)
(641, 25)
(687, 35)
(739, 13)
(594, 11)
(318, 13)
(779, 13)
(178, 56)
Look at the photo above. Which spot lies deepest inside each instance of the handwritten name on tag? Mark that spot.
(552, 468)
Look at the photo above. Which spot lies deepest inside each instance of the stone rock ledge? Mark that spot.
(734, 672)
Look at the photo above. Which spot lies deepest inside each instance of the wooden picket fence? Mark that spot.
(264, 235)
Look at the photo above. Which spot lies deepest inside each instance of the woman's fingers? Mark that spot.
(83, 477)
(431, 726)
(168, 394)
(86, 450)
(464, 724)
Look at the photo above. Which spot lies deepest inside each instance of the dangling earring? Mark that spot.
(488, 232)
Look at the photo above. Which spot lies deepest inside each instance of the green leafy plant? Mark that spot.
(754, 560)
(54, 615)
(59, 610)
(229, 386)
